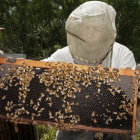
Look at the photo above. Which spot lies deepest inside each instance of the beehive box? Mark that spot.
(68, 96)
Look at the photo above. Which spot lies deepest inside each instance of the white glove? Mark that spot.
(2, 54)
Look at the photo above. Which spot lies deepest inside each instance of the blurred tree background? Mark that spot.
(37, 27)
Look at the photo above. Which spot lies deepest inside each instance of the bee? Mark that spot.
(95, 121)
(120, 106)
(98, 85)
(38, 115)
(27, 112)
(51, 117)
(63, 93)
(63, 100)
(50, 113)
(98, 91)
(72, 103)
(33, 114)
(28, 90)
(77, 104)
(115, 113)
(121, 114)
(123, 102)
(3, 98)
(31, 102)
(1, 68)
(72, 121)
(57, 96)
(78, 119)
(56, 113)
(93, 113)
(130, 105)
(23, 101)
(42, 94)
(6, 108)
(40, 98)
(42, 109)
(8, 115)
(19, 104)
(118, 117)
(51, 92)
(11, 103)
(16, 116)
(38, 104)
(87, 96)
(24, 96)
(124, 96)
(110, 119)
(32, 117)
(47, 98)
(6, 88)
(19, 97)
(79, 89)
(113, 93)
(34, 106)
(23, 109)
(74, 96)
(19, 112)
(8, 103)
(125, 117)
(56, 120)
(84, 83)
(65, 117)
(20, 93)
(108, 110)
(34, 122)
(10, 85)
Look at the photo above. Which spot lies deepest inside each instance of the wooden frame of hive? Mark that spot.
(40, 64)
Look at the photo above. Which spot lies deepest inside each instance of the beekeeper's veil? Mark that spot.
(91, 32)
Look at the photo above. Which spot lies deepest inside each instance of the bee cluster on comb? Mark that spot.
(67, 96)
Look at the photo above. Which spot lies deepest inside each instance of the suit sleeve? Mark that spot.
(55, 57)
(127, 59)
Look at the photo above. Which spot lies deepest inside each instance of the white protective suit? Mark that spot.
(91, 34)
(119, 57)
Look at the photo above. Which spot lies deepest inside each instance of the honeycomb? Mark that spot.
(67, 97)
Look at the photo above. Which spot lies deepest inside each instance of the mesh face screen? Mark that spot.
(96, 98)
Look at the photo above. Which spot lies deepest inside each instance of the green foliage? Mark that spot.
(32, 27)
(46, 133)
(35, 27)
(128, 24)
(137, 135)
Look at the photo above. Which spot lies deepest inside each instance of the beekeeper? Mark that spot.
(91, 34)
